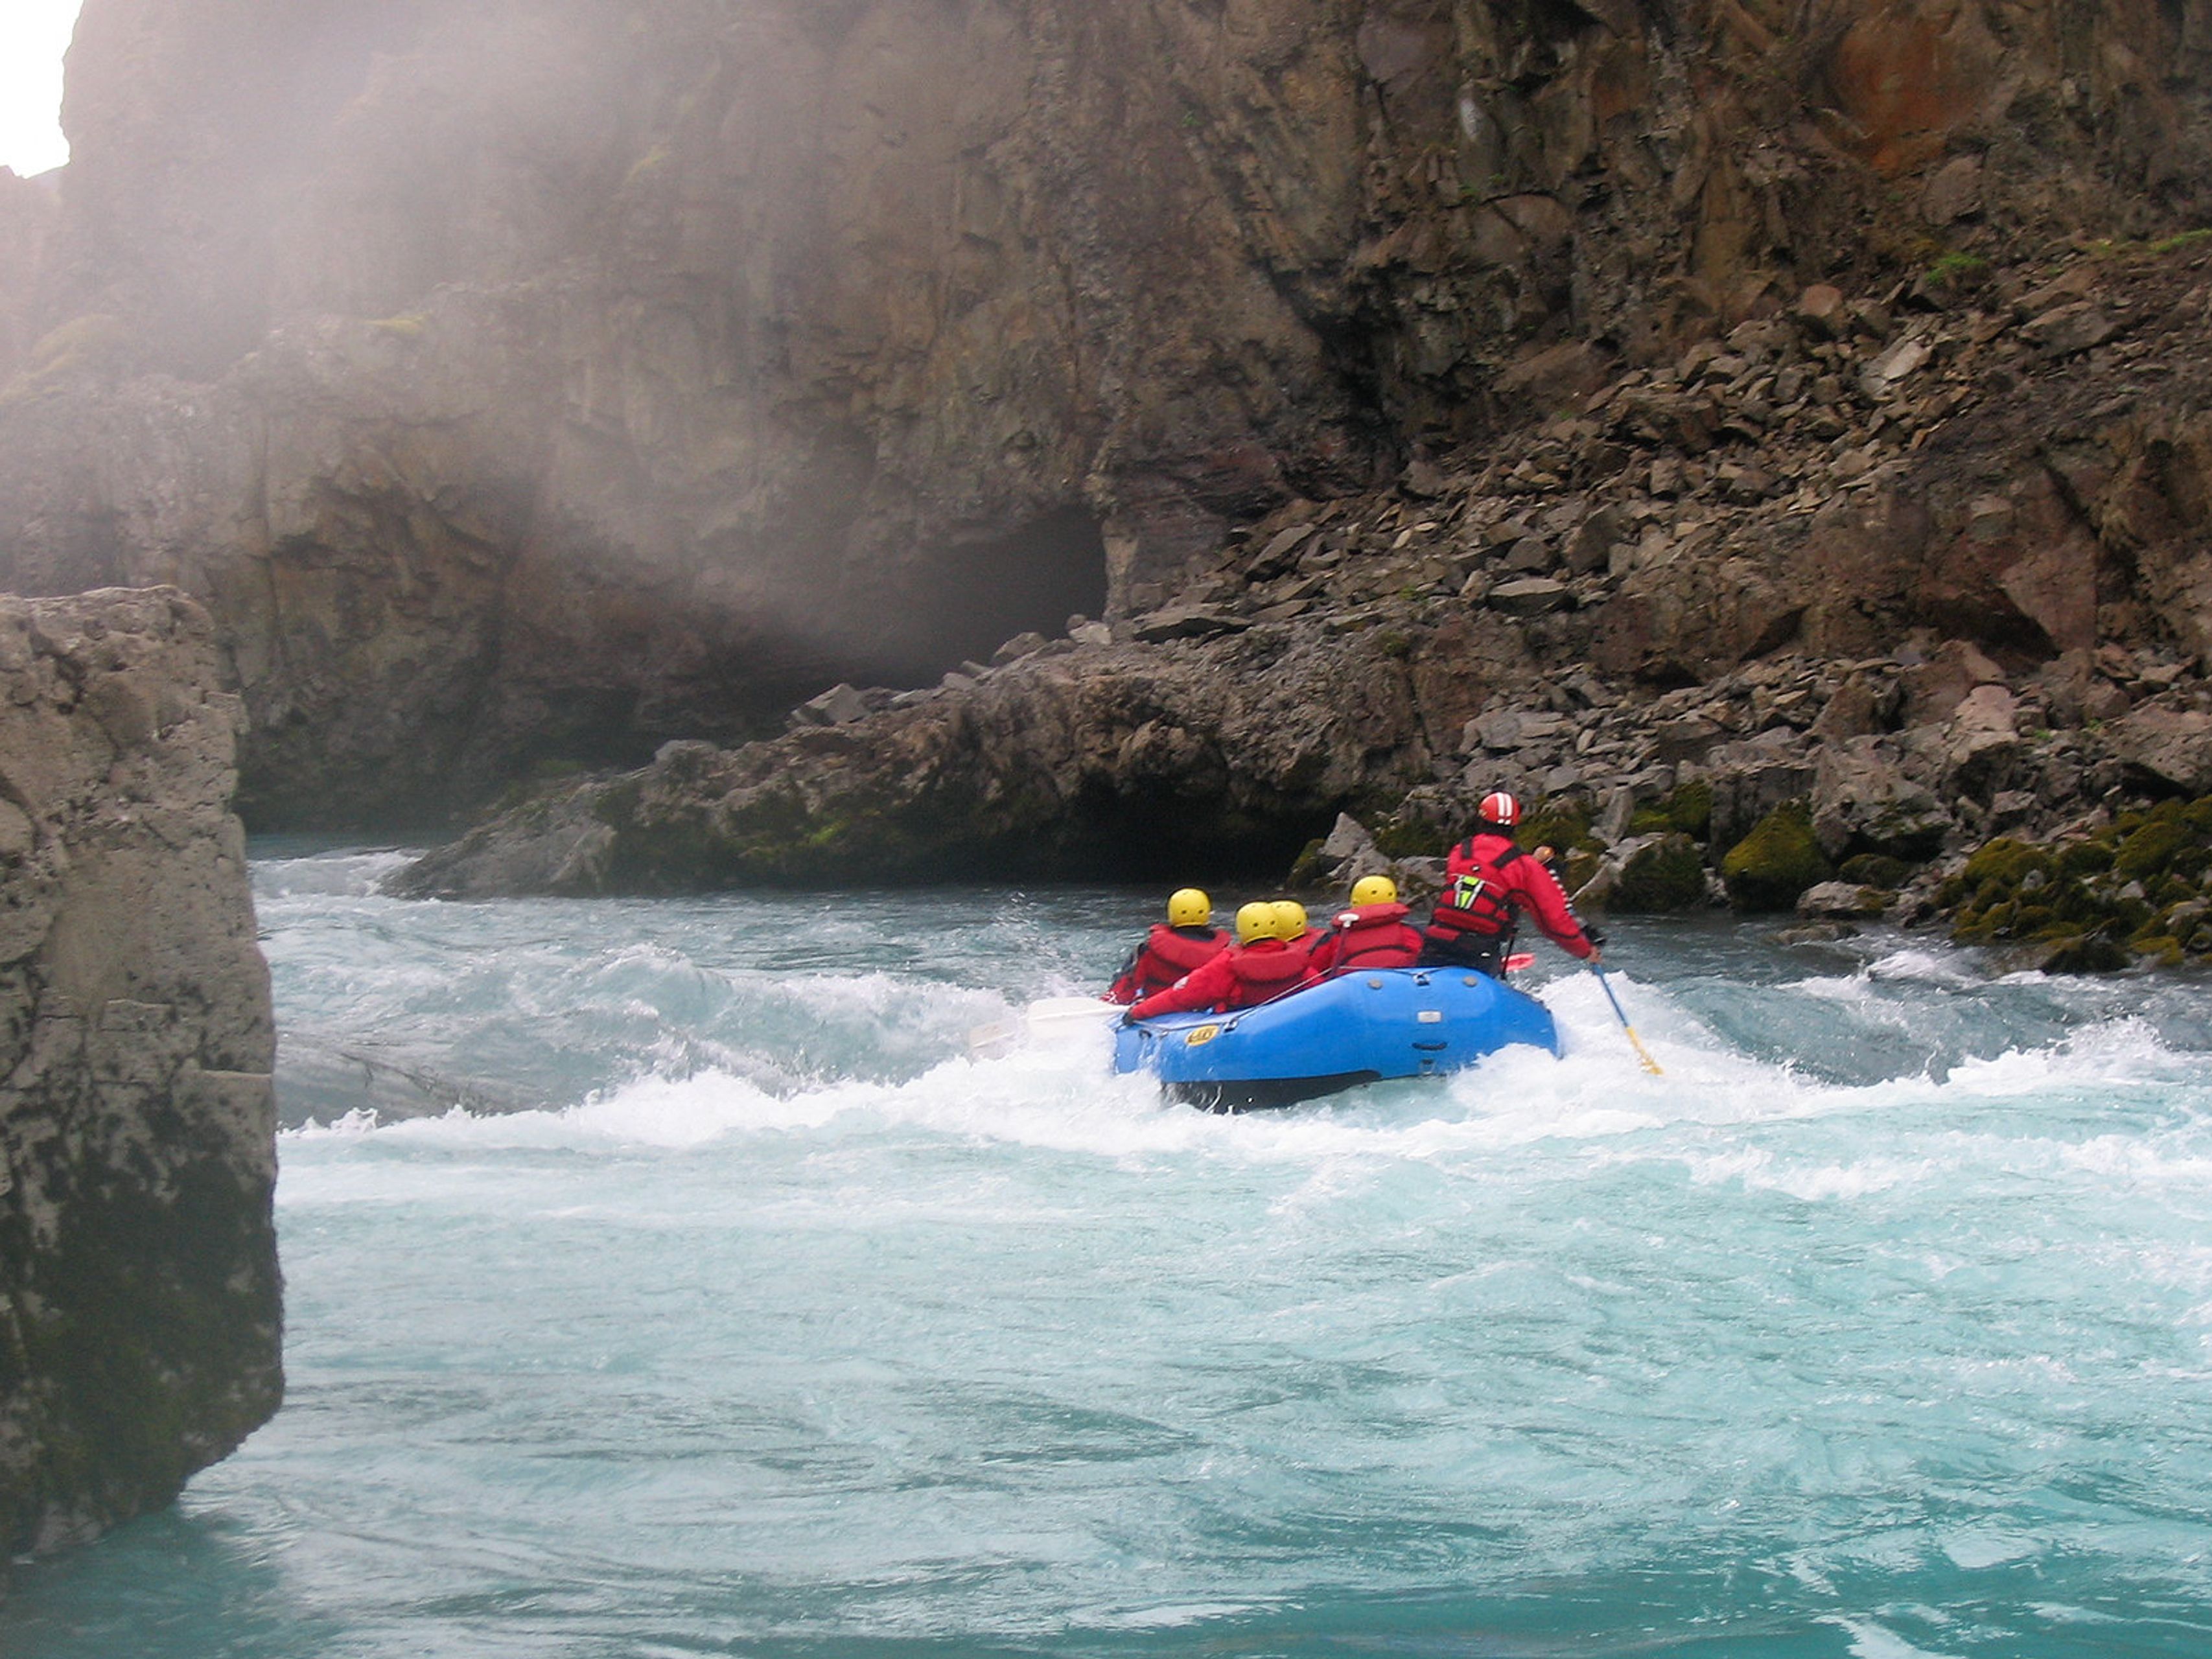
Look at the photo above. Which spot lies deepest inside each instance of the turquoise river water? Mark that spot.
(669, 1278)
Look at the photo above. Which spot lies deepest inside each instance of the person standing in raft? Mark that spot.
(1488, 883)
(1373, 933)
(1261, 966)
(1186, 940)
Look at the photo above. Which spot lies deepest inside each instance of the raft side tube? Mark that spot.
(1361, 1027)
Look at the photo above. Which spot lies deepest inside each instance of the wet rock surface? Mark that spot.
(532, 385)
(1859, 664)
(140, 1326)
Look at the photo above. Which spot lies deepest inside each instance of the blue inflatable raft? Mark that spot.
(1360, 1027)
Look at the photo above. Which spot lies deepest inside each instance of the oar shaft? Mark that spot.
(1635, 1042)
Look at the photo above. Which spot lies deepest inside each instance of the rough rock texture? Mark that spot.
(1125, 760)
(139, 1317)
(539, 380)
(28, 209)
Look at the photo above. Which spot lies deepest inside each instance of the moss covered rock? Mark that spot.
(1667, 875)
(1688, 811)
(2131, 893)
(1777, 861)
(1875, 870)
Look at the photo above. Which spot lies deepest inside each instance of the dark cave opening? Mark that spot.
(966, 598)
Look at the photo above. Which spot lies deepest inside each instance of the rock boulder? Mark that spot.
(139, 1300)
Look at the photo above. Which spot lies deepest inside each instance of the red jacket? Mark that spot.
(1243, 977)
(1490, 881)
(1368, 936)
(1167, 954)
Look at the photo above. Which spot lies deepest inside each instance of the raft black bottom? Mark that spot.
(1261, 1094)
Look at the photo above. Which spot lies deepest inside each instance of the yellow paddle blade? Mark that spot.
(1642, 1053)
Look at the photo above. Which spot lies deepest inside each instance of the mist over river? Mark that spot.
(738, 1308)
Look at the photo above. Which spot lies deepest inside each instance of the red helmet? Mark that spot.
(1500, 809)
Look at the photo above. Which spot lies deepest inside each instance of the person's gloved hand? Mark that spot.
(1595, 936)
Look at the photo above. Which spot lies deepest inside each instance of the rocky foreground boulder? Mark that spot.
(139, 1296)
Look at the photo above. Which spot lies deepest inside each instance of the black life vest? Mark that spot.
(1168, 953)
(1373, 936)
(1476, 903)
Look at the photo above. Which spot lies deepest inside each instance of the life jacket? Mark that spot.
(1475, 902)
(1167, 954)
(1373, 936)
(1263, 975)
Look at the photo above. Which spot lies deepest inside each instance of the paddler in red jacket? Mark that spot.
(1186, 940)
(1489, 883)
(1261, 966)
(1373, 933)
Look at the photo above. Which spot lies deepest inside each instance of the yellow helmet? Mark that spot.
(1375, 889)
(1290, 918)
(1188, 907)
(1254, 920)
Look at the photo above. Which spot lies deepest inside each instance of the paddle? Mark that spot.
(1642, 1053)
(1042, 1021)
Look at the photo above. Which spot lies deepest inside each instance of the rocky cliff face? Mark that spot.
(139, 1319)
(1841, 593)
(548, 380)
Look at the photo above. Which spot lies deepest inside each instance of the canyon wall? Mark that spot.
(139, 1300)
(532, 384)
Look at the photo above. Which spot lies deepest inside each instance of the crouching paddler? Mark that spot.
(1489, 883)
(1186, 941)
(1259, 967)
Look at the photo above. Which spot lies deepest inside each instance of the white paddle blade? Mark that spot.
(1059, 1018)
(1052, 1019)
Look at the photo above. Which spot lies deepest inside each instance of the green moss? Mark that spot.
(1310, 868)
(1875, 870)
(2187, 239)
(2171, 892)
(1956, 266)
(2007, 862)
(2160, 951)
(156, 1331)
(2086, 858)
(1777, 861)
(2150, 848)
(2162, 248)
(2086, 953)
(1690, 810)
(1668, 875)
(1562, 824)
(1412, 838)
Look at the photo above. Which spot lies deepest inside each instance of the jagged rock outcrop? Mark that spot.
(27, 212)
(1129, 760)
(139, 1299)
(543, 380)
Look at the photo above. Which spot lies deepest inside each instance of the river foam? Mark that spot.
(660, 1286)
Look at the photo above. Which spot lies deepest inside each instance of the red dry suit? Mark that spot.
(1167, 954)
(1368, 936)
(1240, 978)
(1489, 881)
